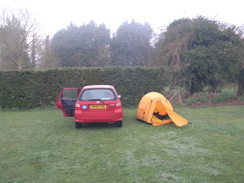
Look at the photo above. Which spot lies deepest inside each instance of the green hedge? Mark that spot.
(29, 89)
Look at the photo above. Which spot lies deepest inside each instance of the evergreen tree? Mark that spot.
(86, 45)
(131, 45)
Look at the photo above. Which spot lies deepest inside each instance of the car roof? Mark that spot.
(98, 86)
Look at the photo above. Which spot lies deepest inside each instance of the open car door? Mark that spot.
(66, 100)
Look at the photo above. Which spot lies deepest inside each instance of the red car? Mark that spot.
(93, 104)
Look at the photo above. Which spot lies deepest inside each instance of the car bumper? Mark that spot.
(82, 118)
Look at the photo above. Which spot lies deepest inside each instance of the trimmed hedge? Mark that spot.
(29, 89)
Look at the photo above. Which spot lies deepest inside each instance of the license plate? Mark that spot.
(98, 106)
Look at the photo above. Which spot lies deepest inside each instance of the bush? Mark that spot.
(197, 97)
(224, 97)
(191, 101)
(240, 90)
(203, 99)
(28, 89)
(241, 98)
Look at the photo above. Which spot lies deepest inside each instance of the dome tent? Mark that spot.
(155, 109)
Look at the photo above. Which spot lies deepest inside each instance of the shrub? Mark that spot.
(241, 98)
(191, 101)
(224, 97)
(240, 90)
(203, 99)
(197, 97)
(28, 89)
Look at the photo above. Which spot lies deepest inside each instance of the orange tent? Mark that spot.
(155, 109)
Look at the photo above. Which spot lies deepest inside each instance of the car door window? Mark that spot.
(70, 93)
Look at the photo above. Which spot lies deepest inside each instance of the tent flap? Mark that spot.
(177, 119)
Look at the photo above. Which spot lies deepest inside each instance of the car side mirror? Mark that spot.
(119, 96)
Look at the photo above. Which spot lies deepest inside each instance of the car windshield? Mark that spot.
(97, 94)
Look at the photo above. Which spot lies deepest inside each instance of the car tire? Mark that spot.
(119, 124)
(78, 125)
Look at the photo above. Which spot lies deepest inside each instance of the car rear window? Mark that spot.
(97, 94)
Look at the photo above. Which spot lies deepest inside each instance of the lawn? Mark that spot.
(42, 146)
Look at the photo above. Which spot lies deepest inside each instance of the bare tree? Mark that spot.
(17, 35)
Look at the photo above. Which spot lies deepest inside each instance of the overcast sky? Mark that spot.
(54, 15)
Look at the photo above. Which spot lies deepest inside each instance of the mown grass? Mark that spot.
(42, 146)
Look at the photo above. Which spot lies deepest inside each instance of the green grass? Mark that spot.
(42, 146)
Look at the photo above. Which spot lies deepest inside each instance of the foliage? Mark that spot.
(190, 101)
(42, 146)
(47, 59)
(224, 97)
(241, 98)
(131, 45)
(16, 31)
(197, 98)
(200, 52)
(13, 45)
(82, 46)
(90, 45)
(28, 89)
(240, 90)
(203, 99)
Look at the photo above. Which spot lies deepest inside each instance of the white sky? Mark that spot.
(54, 15)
